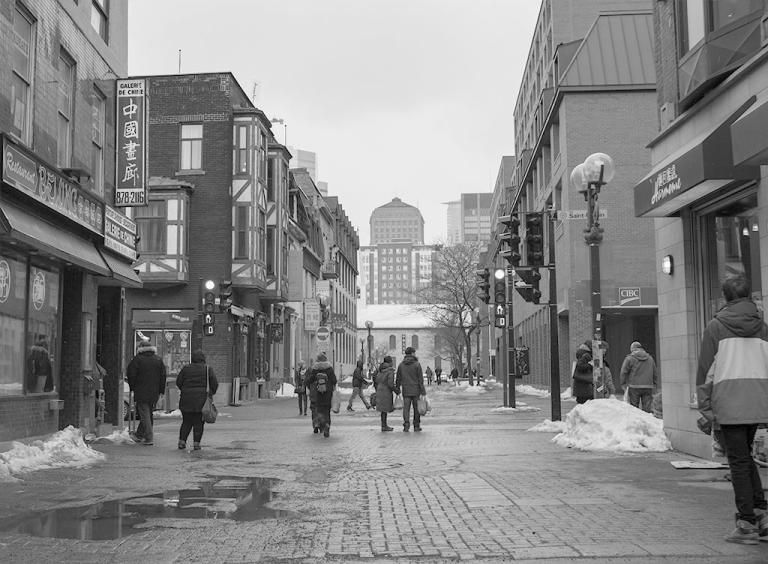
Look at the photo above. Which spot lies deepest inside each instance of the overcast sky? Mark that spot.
(406, 98)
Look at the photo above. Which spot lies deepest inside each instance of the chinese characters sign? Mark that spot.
(131, 145)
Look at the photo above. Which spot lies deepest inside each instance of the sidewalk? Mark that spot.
(473, 486)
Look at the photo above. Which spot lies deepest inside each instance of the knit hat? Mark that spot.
(145, 345)
(584, 347)
(635, 345)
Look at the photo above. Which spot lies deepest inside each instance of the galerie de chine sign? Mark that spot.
(131, 145)
(119, 233)
(31, 176)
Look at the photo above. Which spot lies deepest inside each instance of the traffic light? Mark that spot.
(531, 277)
(534, 238)
(483, 284)
(500, 286)
(225, 295)
(510, 234)
(209, 291)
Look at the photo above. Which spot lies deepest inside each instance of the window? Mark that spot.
(724, 12)
(98, 132)
(392, 341)
(43, 321)
(271, 250)
(415, 341)
(271, 180)
(262, 236)
(242, 225)
(99, 17)
(150, 225)
(21, 77)
(192, 146)
(240, 160)
(65, 98)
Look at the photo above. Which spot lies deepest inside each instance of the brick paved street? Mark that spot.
(474, 486)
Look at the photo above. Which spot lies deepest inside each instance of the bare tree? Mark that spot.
(451, 299)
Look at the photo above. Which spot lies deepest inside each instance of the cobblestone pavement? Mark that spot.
(473, 486)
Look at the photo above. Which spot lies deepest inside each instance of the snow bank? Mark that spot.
(548, 426)
(519, 407)
(612, 425)
(528, 390)
(62, 449)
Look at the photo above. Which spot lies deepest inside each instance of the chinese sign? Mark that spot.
(131, 146)
(119, 233)
(311, 315)
(32, 177)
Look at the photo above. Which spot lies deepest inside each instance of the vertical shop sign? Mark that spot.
(131, 146)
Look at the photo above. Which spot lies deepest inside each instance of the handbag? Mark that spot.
(210, 412)
(398, 404)
(421, 405)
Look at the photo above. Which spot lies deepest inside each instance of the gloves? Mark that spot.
(705, 425)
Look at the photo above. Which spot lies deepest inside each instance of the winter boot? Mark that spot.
(349, 408)
(327, 431)
(182, 445)
(744, 533)
(406, 427)
(762, 524)
(196, 446)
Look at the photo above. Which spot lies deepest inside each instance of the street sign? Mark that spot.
(207, 319)
(323, 334)
(501, 310)
(311, 314)
(338, 320)
(500, 322)
(579, 214)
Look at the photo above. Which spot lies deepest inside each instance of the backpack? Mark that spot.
(321, 382)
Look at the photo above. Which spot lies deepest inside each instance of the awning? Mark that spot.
(121, 271)
(750, 140)
(51, 239)
(698, 168)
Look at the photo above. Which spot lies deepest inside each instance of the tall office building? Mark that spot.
(392, 273)
(397, 221)
(469, 218)
(453, 221)
(304, 159)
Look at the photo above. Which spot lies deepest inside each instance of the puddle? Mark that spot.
(239, 499)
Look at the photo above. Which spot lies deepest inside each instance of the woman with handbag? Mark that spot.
(385, 385)
(301, 387)
(196, 382)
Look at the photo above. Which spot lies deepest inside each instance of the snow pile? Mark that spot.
(62, 449)
(612, 425)
(519, 407)
(161, 413)
(548, 426)
(527, 390)
(117, 437)
(285, 391)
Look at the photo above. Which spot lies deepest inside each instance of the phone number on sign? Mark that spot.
(125, 197)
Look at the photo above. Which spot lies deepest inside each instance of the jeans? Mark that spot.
(191, 421)
(641, 396)
(745, 478)
(358, 392)
(144, 430)
(323, 413)
(407, 402)
(302, 404)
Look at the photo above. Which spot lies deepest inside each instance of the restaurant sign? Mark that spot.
(36, 179)
(119, 233)
(131, 144)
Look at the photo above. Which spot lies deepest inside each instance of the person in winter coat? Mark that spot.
(322, 381)
(410, 380)
(193, 381)
(428, 374)
(732, 391)
(40, 370)
(146, 377)
(300, 387)
(639, 372)
(438, 373)
(583, 389)
(455, 376)
(358, 385)
(385, 386)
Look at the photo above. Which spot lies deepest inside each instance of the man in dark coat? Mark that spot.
(146, 377)
(196, 383)
(438, 375)
(410, 381)
(359, 383)
(583, 388)
(639, 376)
(322, 380)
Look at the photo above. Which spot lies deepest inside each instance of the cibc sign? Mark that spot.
(629, 296)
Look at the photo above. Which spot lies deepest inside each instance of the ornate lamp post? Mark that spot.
(369, 326)
(588, 177)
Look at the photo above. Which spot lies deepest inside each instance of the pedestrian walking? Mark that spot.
(455, 376)
(300, 387)
(438, 374)
(732, 391)
(583, 387)
(359, 383)
(146, 377)
(196, 382)
(385, 386)
(409, 380)
(322, 380)
(639, 376)
(428, 373)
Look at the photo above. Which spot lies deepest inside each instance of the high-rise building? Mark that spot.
(476, 217)
(304, 159)
(453, 222)
(397, 221)
(393, 273)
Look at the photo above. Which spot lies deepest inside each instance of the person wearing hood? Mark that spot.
(732, 392)
(583, 388)
(146, 377)
(322, 381)
(639, 376)
(410, 380)
(385, 386)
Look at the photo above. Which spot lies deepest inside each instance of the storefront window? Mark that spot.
(173, 346)
(13, 284)
(42, 330)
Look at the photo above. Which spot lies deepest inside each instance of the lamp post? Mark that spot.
(285, 129)
(369, 326)
(588, 177)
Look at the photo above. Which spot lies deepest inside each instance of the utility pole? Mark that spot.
(554, 349)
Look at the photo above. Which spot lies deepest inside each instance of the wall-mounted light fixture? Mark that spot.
(668, 265)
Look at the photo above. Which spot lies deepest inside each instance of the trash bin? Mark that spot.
(171, 399)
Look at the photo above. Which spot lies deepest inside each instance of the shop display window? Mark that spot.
(42, 330)
(173, 346)
(13, 285)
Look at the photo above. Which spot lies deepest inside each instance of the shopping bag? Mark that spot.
(210, 412)
(398, 402)
(335, 401)
(429, 404)
(421, 404)
(372, 399)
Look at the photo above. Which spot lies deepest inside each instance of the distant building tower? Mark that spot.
(393, 273)
(453, 218)
(476, 217)
(304, 159)
(397, 222)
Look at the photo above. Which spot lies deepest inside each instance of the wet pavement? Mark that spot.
(473, 486)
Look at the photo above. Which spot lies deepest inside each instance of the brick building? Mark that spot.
(65, 250)
(577, 98)
(706, 186)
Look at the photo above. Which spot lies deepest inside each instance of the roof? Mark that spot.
(617, 51)
(392, 316)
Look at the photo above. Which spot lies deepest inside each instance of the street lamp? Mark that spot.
(285, 129)
(588, 177)
(369, 326)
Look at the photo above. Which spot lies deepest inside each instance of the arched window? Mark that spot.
(392, 342)
(415, 341)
